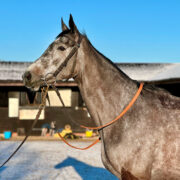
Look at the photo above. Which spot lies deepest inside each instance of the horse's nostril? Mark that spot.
(27, 75)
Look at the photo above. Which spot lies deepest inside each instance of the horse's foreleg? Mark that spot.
(125, 175)
(107, 163)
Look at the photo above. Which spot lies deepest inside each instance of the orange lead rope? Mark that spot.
(95, 142)
(122, 113)
(107, 124)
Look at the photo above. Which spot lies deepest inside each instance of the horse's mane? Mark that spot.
(166, 98)
(108, 60)
(62, 33)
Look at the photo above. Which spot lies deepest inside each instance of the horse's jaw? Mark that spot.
(32, 86)
(36, 88)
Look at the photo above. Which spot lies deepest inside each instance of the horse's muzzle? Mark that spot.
(27, 77)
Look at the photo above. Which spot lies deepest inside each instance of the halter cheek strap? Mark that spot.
(71, 54)
(65, 62)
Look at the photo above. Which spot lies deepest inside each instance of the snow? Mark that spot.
(151, 72)
(137, 71)
(52, 160)
(171, 72)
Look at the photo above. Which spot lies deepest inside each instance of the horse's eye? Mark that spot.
(61, 48)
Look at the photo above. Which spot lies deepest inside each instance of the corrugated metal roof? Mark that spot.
(142, 72)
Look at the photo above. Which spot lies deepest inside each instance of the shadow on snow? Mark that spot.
(86, 171)
(2, 169)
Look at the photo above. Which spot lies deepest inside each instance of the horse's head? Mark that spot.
(54, 57)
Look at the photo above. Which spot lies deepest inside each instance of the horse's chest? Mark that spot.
(128, 158)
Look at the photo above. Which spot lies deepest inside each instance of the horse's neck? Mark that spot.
(103, 87)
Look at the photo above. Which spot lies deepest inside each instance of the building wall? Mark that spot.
(51, 113)
(26, 111)
(7, 123)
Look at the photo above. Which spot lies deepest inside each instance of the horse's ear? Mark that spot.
(72, 25)
(63, 25)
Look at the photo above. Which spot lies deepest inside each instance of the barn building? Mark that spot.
(165, 76)
(18, 105)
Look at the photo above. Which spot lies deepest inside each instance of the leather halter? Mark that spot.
(73, 51)
(65, 62)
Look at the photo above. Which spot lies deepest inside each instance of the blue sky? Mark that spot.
(124, 31)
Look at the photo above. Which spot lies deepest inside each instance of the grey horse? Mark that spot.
(145, 143)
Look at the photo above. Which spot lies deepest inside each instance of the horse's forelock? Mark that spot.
(63, 33)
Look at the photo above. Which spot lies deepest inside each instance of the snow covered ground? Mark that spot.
(52, 160)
